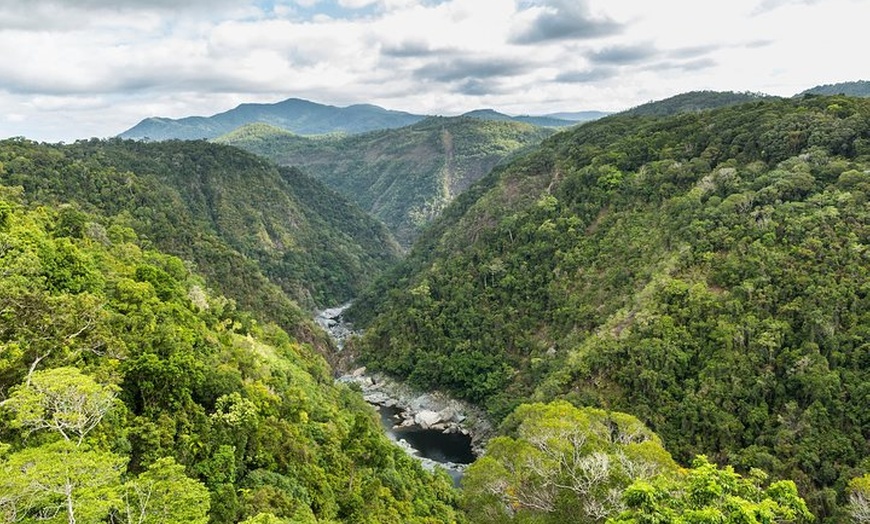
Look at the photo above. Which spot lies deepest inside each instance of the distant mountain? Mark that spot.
(542, 121)
(694, 101)
(296, 115)
(859, 88)
(579, 116)
(404, 177)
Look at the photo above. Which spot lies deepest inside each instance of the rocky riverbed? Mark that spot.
(421, 410)
(406, 411)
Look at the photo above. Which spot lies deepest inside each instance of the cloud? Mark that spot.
(623, 54)
(451, 70)
(693, 51)
(698, 64)
(586, 76)
(407, 49)
(770, 5)
(556, 20)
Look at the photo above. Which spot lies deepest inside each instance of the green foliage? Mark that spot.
(859, 499)
(561, 464)
(59, 482)
(61, 400)
(857, 88)
(693, 101)
(217, 417)
(163, 494)
(706, 273)
(258, 233)
(404, 177)
(707, 494)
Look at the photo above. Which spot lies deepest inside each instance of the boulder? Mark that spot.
(427, 418)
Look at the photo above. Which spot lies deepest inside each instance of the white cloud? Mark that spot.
(95, 67)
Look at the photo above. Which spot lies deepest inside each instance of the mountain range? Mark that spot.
(309, 118)
(403, 177)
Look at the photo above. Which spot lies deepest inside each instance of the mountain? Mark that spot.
(705, 272)
(404, 177)
(133, 393)
(694, 101)
(859, 88)
(579, 116)
(293, 114)
(268, 237)
(542, 121)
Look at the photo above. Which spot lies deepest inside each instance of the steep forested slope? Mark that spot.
(258, 232)
(404, 176)
(133, 394)
(706, 272)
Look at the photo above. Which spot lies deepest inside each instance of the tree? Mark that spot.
(63, 400)
(562, 464)
(707, 494)
(859, 499)
(59, 482)
(163, 495)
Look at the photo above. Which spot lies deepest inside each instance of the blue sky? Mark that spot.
(81, 68)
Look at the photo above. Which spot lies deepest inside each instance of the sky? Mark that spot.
(74, 69)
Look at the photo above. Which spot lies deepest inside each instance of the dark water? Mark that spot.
(431, 444)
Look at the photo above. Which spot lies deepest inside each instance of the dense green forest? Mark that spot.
(404, 177)
(693, 101)
(262, 235)
(133, 394)
(705, 272)
(858, 88)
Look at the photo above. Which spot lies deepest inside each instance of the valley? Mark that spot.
(660, 315)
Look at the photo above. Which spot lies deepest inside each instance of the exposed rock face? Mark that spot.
(331, 321)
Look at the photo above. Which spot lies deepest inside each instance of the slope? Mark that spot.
(542, 121)
(858, 88)
(706, 272)
(259, 233)
(404, 177)
(293, 114)
(133, 394)
(694, 101)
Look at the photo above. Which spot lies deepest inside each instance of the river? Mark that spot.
(429, 427)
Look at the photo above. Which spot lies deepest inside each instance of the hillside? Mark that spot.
(707, 273)
(579, 116)
(859, 88)
(133, 394)
(542, 121)
(295, 115)
(259, 233)
(404, 177)
(693, 101)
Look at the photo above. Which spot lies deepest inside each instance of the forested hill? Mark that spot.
(296, 115)
(693, 101)
(706, 272)
(404, 177)
(259, 233)
(133, 394)
(858, 88)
